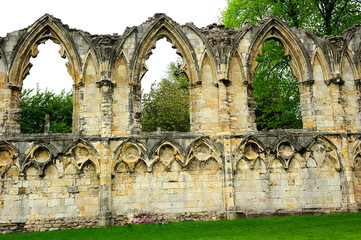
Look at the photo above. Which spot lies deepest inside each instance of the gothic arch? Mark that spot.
(47, 27)
(121, 59)
(9, 156)
(319, 149)
(320, 57)
(206, 44)
(92, 50)
(40, 155)
(347, 56)
(79, 153)
(120, 48)
(236, 57)
(254, 38)
(207, 58)
(166, 152)
(277, 30)
(91, 57)
(286, 149)
(250, 150)
(163, 27)
(130, 152)
(202, 149)
(163, 142)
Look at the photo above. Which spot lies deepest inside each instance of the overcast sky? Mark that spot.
(101, 17)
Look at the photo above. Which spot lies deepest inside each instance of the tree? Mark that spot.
(239, 12)
(35, 106)
(335, 16)
(167, 104)
(323, 17)
(277, 106)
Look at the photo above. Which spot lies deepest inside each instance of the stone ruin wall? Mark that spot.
(109, 172)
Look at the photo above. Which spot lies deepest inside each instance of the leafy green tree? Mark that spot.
(275, 87)
(35, 106)
(323, 17)
(239, 12)
(334, 16)
(167, 104)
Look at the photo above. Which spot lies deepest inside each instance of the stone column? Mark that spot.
(228, 187)
(78, 119)
(336, 101)
(135, 99)
(11, 106)
(105, 215)
(307, 105)
(223, 109)
(105, 184)
(106, 87)
(194, 103)
(250, 121)
(347, 176)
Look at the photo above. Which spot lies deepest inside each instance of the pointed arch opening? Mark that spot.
(297, 63)
(275, 89)
(45, 29)
(47, 94)
(161, 28)
(165, 99)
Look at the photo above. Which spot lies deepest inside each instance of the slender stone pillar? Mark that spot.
(347, 176)
(228, 189)
(337, 108)
(106, 87)
(105, 215)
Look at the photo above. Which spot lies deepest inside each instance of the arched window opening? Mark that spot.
(275, 90)
(165, 100)
(47, 91)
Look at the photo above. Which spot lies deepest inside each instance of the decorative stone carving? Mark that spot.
(8, 157)
(202, 150)
(250, 149)
(80, 153)
(130, 153)
(321, 150)
(286, 149)
(356, 154)
(166, 154)
(40, 155)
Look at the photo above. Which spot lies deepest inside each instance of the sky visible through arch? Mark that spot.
(101, 17)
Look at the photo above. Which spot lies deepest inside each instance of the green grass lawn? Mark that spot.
(333, 226)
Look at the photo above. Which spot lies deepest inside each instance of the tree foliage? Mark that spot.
(323, 17)
(239, 12)
(35, 106)
(167, 104)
